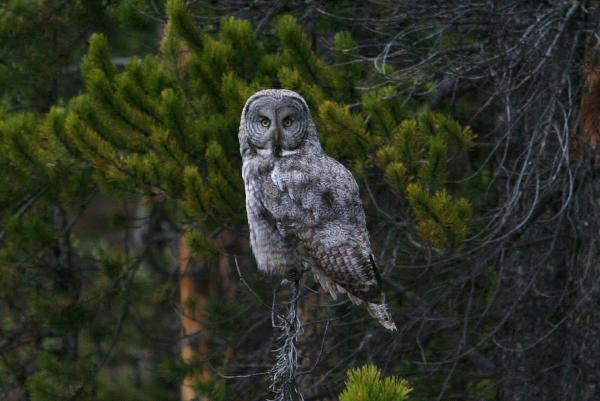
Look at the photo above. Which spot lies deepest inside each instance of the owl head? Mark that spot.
(277, 123)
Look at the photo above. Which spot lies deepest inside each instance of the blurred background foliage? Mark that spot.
(125, 271)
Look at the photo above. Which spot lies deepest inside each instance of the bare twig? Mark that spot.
(283, 381)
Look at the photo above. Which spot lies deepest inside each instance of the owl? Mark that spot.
(304, 209)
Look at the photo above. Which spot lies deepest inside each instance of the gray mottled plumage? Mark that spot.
(303, 207)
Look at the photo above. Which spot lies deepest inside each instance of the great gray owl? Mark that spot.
(304, 209)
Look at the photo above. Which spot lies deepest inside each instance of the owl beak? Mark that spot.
(276, 143)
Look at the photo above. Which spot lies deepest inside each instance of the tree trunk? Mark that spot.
(192, 302)
(67, 278)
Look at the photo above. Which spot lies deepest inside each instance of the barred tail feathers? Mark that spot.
(380, 312)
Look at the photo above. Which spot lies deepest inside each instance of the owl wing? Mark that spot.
(319, 209)
(348, 263)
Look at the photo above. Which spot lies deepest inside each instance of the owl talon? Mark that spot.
(294, 275)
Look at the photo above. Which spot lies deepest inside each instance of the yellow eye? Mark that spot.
(287, 122)
(265, 122)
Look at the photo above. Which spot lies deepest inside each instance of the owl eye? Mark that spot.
(265, 122)
(287, 122)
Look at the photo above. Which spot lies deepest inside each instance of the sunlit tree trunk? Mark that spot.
(192, 301)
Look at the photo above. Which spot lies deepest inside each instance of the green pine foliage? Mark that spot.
(442, 221)
(57, 381)
(366, 384)
(61, 296)
(176, 134)
(415, 161)
(346, 62)
(298, 56)
(41, 43)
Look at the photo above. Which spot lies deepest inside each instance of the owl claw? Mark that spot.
(294, 275)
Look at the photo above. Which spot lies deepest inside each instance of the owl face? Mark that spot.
(276, 125)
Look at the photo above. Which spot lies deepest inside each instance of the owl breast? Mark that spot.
(272, 250)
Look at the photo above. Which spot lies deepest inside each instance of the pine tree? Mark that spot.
(365, 384)
(167, 126)
(55, 287)
(42, 42)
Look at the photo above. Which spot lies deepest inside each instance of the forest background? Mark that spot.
(471, 127)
